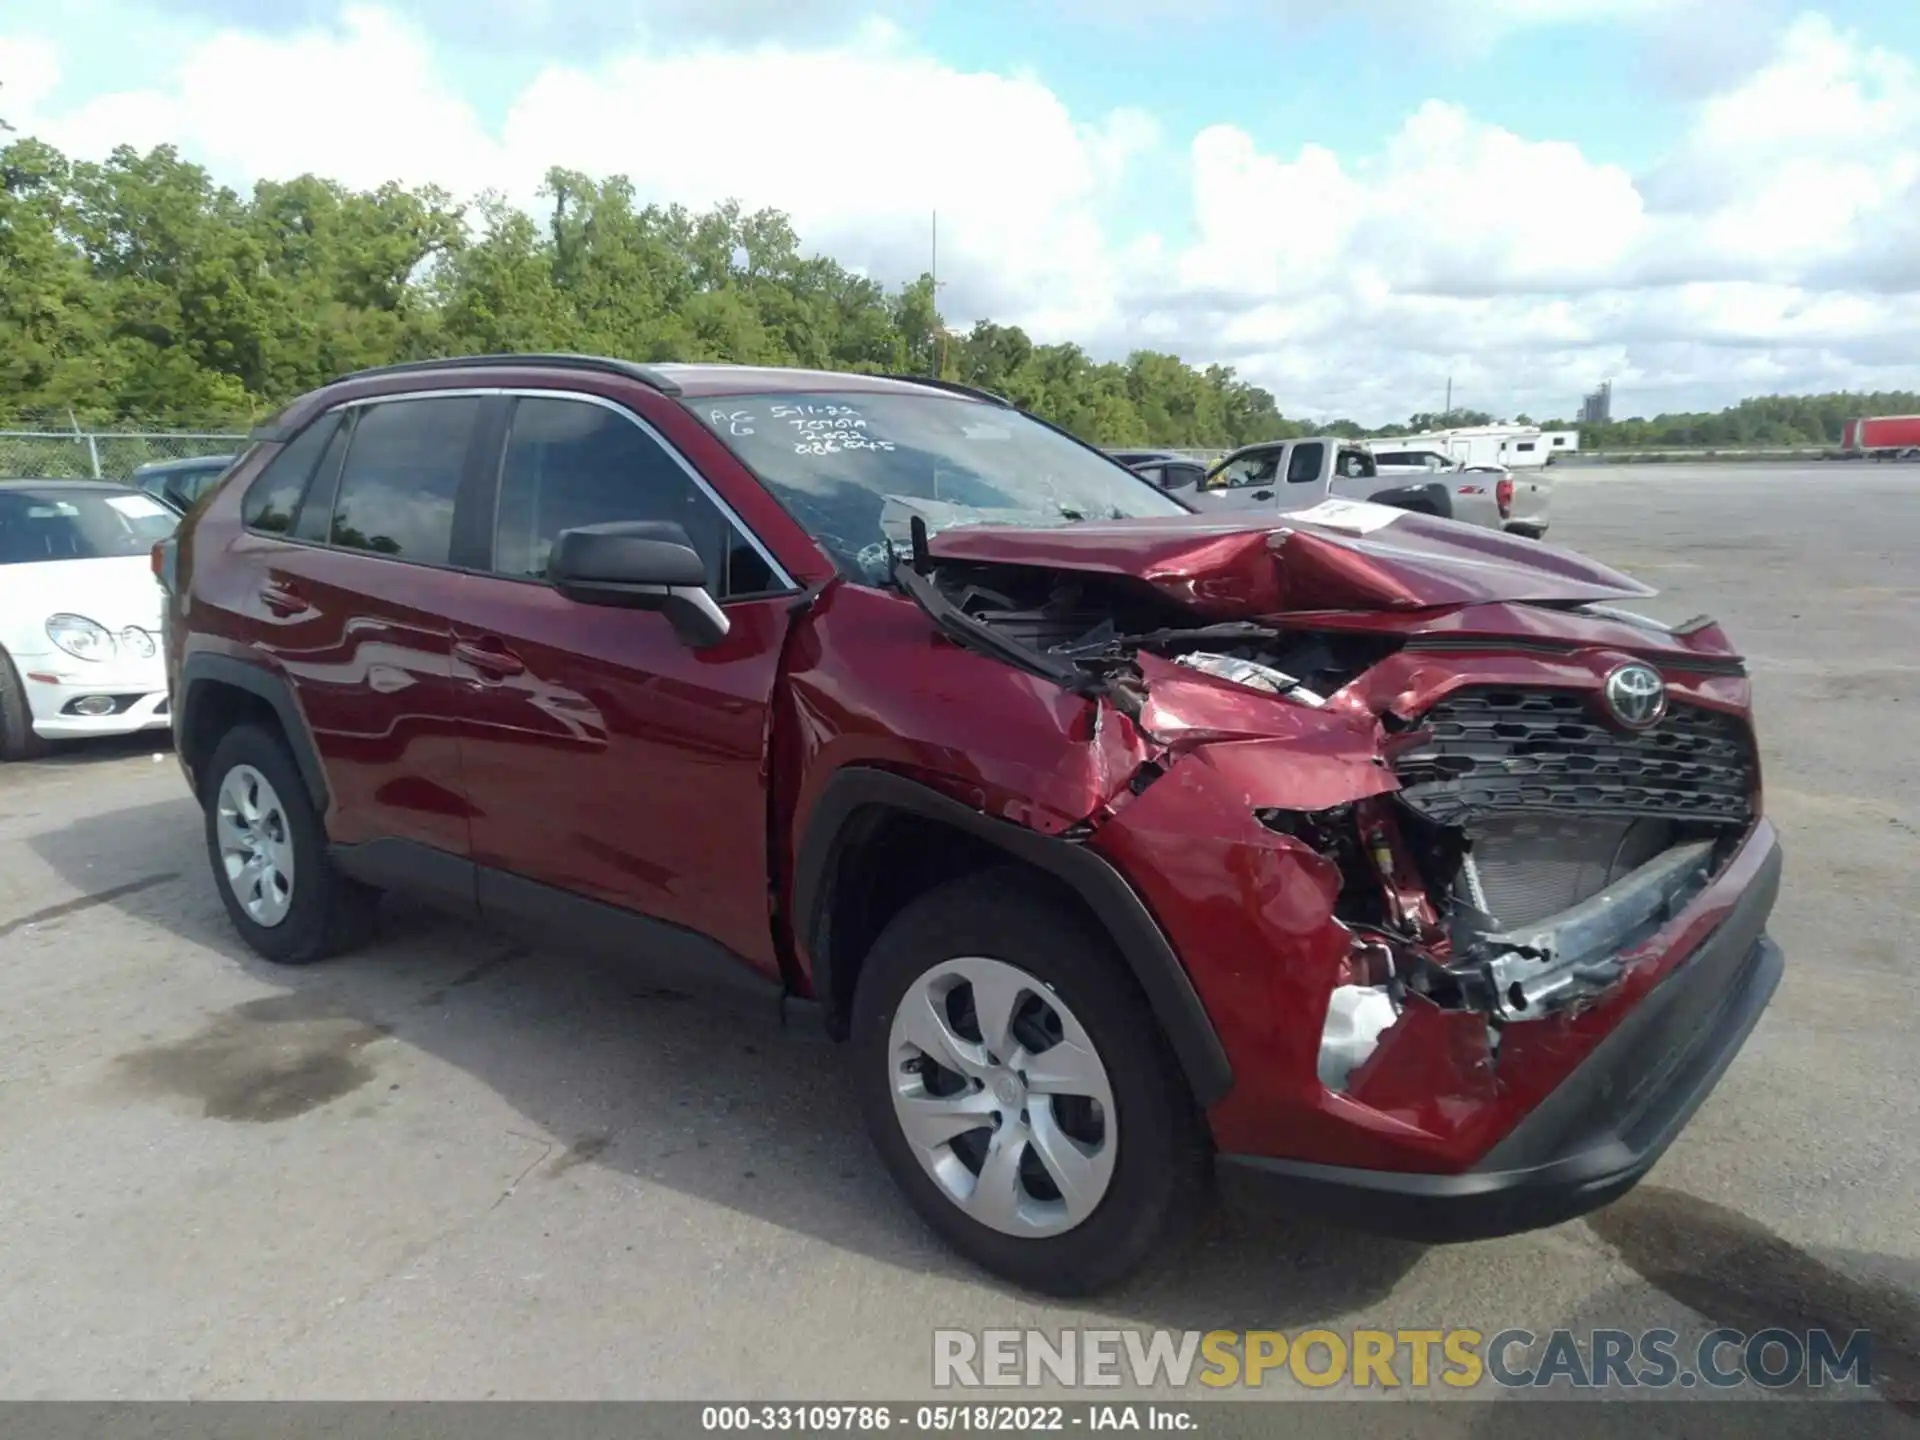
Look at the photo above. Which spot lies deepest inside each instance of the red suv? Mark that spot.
(1373, 859)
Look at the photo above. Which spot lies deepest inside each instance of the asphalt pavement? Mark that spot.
(450, 1166)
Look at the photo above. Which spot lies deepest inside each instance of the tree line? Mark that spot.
(136, 291)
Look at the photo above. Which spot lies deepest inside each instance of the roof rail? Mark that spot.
(956, 388)
(605, 365)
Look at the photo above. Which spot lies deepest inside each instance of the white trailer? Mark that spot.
(1517, 447)
(1561, 443)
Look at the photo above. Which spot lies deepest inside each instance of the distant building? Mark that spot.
(1597, 408)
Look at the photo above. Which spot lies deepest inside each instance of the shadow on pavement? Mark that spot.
(74, 754)
(711, 1096)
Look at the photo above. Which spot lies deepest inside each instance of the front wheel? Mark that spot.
(267, 846)
(1018, 1088)
(17, 738)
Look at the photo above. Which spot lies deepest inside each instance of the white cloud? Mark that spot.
(1778, 245)
(29, 69)
(824, 135)
(565, 27)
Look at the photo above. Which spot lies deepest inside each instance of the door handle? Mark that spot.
(494, 662)
(281, 599)
(1263, 494)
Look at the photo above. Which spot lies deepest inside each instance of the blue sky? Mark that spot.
(1348, 199)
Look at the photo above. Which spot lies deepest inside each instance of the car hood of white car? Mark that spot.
(115, 592)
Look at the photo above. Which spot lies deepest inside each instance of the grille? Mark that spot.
(1492, 751)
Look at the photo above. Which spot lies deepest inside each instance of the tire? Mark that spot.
(1151, 1139)
(17, 740)
(320, 912)
(1528, 532)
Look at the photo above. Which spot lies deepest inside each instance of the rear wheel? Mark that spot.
(17, 740)
(1017, 1086)
(268, 851)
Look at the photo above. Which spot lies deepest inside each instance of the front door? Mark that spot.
(603, 757)
(1244, 482)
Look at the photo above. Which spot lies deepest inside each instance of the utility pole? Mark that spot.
(1449, 410)
(939, 346)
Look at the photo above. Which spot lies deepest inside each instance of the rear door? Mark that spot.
(603, 757)
(358, 567)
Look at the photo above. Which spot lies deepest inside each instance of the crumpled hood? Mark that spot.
(1338, 555)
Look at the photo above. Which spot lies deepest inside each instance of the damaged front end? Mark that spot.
(1415, 883)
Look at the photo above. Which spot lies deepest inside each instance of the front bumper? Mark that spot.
(139, 693)
(1594, 1135)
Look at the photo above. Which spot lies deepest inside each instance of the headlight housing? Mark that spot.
(80, 637)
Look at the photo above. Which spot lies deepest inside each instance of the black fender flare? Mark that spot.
(1431, 497)
(203, 668)
(1109, 898)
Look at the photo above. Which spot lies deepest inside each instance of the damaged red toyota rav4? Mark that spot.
(1370, 859)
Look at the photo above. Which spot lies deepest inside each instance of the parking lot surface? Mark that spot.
(451, 1166)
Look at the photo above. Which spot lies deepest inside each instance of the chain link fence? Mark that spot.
(108, 454)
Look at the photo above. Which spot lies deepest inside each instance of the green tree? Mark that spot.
(137, 289)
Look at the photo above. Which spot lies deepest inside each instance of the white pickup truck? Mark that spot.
(1293, 474)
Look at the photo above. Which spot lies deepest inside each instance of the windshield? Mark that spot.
(59, 522)
(854, 468)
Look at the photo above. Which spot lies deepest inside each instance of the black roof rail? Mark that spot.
(605, 365)
(956, 388)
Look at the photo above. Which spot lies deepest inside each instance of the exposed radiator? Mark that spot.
(1530, 867)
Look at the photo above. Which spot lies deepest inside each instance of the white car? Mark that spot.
(79, 613)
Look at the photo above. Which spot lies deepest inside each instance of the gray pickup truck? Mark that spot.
(1293, 474)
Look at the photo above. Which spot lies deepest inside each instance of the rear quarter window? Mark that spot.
(273, 499)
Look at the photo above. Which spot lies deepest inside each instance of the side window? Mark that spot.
(274, 497)
(1306, 462)
(401, 477)
(201, 481)
(316, 511)
(1255, 469)
(1524, 445)
(569, 463)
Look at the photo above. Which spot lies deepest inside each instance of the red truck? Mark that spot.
(1883, 437)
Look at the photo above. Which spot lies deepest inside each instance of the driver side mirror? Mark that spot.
(640, 565)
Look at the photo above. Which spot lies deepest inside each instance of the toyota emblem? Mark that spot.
(1636, 696)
